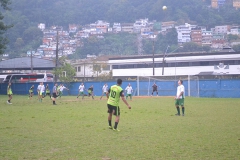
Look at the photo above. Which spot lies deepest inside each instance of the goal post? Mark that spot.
(167, 86)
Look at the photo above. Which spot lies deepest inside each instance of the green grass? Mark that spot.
(78, 130)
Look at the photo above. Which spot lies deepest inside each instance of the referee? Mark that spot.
(54, 96)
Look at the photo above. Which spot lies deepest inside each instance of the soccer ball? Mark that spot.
(164, 7)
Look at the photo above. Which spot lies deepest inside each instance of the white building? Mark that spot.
(41, 26)
(221, 29)
(206, 38)
(184, 32)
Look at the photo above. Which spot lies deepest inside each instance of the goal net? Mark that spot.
(167, 86)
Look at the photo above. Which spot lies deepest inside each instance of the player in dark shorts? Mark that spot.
(54, 96)
(114, 94)
(155, 88)
(90, 92)
(31, 92)
(48, 92)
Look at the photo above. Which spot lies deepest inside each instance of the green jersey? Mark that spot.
(9, 90)
(115, 92)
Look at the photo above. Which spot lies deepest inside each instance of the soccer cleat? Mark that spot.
(182, 114)
(177, 114)
(110, 127)
(116, 130)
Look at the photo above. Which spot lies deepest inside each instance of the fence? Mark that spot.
(225, 88)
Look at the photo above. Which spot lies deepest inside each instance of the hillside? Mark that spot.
(26, 14)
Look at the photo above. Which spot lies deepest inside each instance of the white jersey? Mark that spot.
(105, 88)
(81, 88)
(39, 87)
(62, 88)
(129, 89)
(42, 89)
(179, 90)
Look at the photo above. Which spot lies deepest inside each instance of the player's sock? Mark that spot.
(116, 124)
(9, 101)
(183, 109)
(53, 102)
(110, 122)
(178, 110)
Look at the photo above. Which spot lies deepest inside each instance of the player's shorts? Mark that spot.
(179, 102)
(54, 95)
(41, 93)
(113, 109)
(105, 93)
(30, 92)
(154, 90)
(130, 95)
(9, 95)
(81, 93)
(47, 93)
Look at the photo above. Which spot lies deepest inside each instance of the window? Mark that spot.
(79, 69)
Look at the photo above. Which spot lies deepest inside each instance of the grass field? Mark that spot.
(78, 130)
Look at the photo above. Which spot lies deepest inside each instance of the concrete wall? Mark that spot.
(207, 88)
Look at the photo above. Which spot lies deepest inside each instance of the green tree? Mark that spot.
(3, 27)
(236, 48)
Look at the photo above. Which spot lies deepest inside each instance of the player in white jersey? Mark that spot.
(129, 91)
(38, 90)
(62, 87)
(104, 90)
(41, 91)
(179, 99)
(81, 90)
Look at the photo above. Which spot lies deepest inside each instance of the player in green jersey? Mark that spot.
(9, 93)
(31, 92)
(47, 93)
(113, 95)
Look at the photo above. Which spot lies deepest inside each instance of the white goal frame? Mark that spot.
(191, 84)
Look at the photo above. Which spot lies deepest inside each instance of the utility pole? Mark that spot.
(163, 61)
(56, 63)
(153, 57)
(31, 63)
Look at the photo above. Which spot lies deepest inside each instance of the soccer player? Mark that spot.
(41, 92)
(179, 99)
(90, 92)
(155, 88)
(129, 91)
(54, 96)
(104, 90)
(113, 95)
(31, 92)
(47, 93)
(9, 93)
(38, 90)
(62, 87)
(81, 90)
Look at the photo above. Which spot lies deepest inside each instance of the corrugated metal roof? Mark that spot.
(24, 63)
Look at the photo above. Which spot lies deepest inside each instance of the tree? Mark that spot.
(65, 72)
(3, 27)
(236, 48)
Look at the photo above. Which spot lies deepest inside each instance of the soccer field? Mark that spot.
(78, 129)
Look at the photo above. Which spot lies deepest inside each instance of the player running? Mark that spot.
(38, 90)
(81, 90)
(129, 91)
(47, 93)
(113, 95)
(9, 93)
(62, 87)
(90, 92)
(54, 91)
(104, 90)
(155, 89)
(31, 92)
